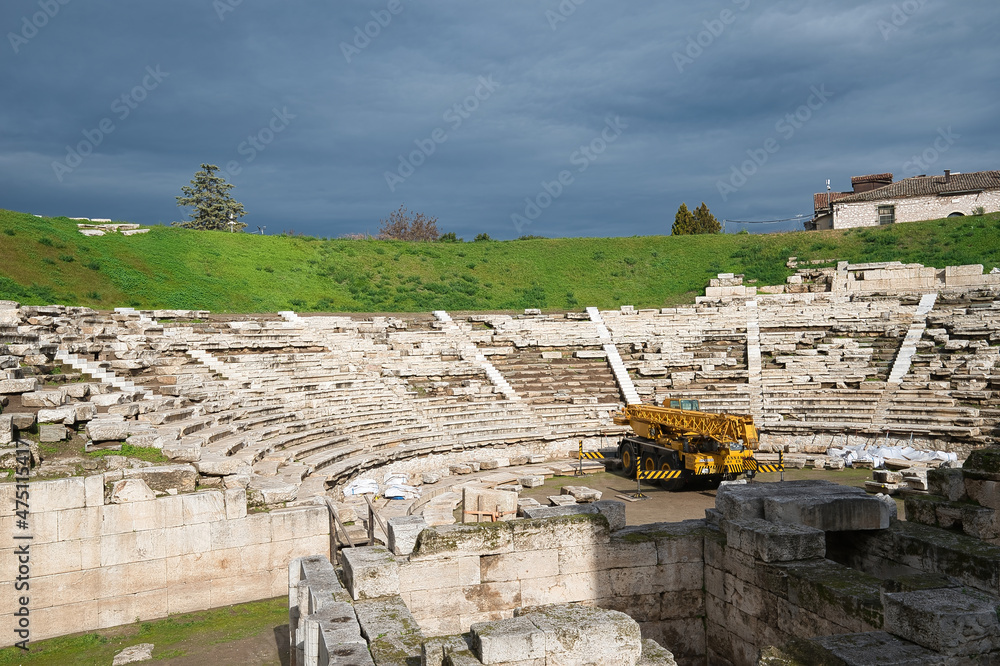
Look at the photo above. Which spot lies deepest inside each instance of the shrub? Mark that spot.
(483, 237)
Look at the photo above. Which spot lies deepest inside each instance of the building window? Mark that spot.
(886, 214)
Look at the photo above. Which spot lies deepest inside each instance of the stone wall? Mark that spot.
(95, 564)
(913, 209)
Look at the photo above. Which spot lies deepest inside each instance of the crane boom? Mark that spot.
(669, 422)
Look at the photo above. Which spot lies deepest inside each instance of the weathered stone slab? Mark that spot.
(983, 464)
(403, 533)
(183, 478)
(65, 414)
(875, 648)
(43, 398)
(949, 621)
(13, 386)
(270, 490)
(370, 572)
(456, 540)
(434, 650)
(531, 481)
(561, 500)
(577, 634)
(654, 654)
(7, 431)
(550, 511)
(775, 542)
(107, 430)
(394, 637)
(131, 490)
(830, 512)
(134, 654)
(614, 511)
(581, 493)
(51, 432)
(513, 640)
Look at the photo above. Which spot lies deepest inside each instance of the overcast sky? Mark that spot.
(572, 118)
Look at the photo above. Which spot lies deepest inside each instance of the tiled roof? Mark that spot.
(931, 186)
(872, 178)
(819, 200)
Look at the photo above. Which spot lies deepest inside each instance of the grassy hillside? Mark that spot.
(45, 260)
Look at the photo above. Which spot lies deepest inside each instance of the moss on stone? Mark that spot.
(983, 464)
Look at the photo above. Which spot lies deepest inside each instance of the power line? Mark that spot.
(787, 219)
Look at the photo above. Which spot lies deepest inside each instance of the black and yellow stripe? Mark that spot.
(764, 469)
(592, 455)
(654, 475)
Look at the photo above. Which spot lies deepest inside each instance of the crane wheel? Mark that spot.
(628, 459)
(649, 463)
(668, 463)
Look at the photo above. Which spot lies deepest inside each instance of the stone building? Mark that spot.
(876, 200)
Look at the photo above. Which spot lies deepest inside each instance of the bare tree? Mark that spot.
(406, 225)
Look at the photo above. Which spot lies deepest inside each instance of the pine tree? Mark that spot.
(684, 222)
(704, 221)
(214, 208)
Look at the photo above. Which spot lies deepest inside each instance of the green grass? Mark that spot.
(223, 272)
(147, 453)
(174, 636)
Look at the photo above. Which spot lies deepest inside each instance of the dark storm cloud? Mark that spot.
(474, 111)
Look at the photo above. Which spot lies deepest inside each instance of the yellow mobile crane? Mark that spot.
(685, 443)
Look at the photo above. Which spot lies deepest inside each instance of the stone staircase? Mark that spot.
(492, 373)
(95, 370)
(614, 359)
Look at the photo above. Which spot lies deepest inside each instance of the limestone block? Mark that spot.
(491, 505)
(561, 500)
(950, 621)
(94, 490)
(540, 511)
(519, 566)
(78, 391)
(524, 503)
(85, 411)
(328, 627)
(108, 399)
(458, 540)
(393, 635)
(831, 513)
(183, 478)
(947, 482)
(532, 481)
(564, 531)
(429, 478)
(43, 398)
(50, 432)
(460, 469)
(7, 431)
(107, 430)
(236, 503)
(578, 635)
(22, 386)
(131, 490)
(370, 572)
(653, 654)
(510, 488)
(180, 451)
(134, 654)
(345, 653)
(403, 533)
(581, 493)
(514, 640)
(56, 495)
(860, 649)
(202, 507)
(434, 650)
(65, 415)
(614, 511)
(983, 492)
(983, 464)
